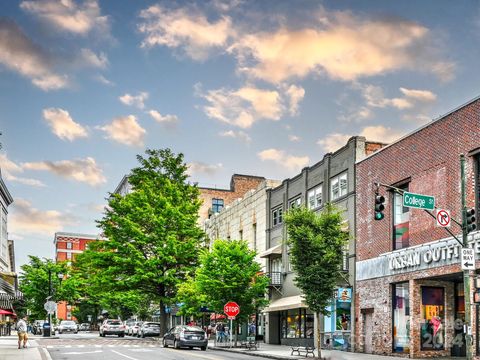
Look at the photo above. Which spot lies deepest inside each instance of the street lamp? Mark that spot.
(60, 277)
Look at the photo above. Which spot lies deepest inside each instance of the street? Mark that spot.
(89, 346)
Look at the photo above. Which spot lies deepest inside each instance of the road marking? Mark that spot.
(82, 352)
(194, 354)
(47, 354)
(128, 357)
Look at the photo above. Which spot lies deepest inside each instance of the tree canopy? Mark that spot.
(316, 254)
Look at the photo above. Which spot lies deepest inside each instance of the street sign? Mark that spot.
(418, 201)
(231, 309)
(50, 307)
(443, 218)
(468, 259)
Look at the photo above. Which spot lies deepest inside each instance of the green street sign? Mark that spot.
(418, 201)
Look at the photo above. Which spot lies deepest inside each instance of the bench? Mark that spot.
(250, 343)
(303, 349)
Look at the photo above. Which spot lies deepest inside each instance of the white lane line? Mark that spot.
(82, 352)
(126, 356)
(46, 353)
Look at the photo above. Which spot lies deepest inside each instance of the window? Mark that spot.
(339, 186)
(401, 318)
(432, 333)
(69, 256)
(217, 205)
(401, 221)
(315, 197)
(345, 260)
(295, 203)
(277, 216)
(297, 324)
(69, 245)
(254, 236)
(240, 234)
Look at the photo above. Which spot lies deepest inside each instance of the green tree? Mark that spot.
(191, 298)
(229, 272)
(316, 254)
(36, 285)
(152, 235)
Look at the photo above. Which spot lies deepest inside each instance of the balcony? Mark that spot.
(276, 278)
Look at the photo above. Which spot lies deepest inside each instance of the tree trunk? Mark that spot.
(163, 319)
(319, 340)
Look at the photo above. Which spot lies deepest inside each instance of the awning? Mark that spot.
(277, 250)
(286, 303)
(7, 312)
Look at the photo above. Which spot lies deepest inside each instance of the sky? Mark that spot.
(251, 87)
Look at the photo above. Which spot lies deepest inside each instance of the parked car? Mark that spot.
(67, 326)
(84, 327)
(186, 336)
(37, 327)
(135, 327)
(128, 326)
(149, 329)
(112, 327)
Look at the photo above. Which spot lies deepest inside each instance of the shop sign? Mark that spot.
(344, 295)
(430, 255)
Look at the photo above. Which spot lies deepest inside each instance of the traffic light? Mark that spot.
(379, 207)
(470, 220)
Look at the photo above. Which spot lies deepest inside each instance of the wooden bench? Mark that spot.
(299, 349)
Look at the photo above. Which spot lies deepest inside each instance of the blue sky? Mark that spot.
(262, 88)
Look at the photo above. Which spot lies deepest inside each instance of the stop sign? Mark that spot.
(231, 309)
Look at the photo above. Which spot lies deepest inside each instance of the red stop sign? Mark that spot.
(231, 309)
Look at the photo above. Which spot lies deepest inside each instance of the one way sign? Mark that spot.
(468, 259)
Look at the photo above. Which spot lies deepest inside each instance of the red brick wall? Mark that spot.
(239, 185)
(430, 158)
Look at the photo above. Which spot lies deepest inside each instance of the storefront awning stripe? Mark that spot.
(286, 303)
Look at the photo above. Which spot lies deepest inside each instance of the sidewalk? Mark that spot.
(283, 352)
(9, 349)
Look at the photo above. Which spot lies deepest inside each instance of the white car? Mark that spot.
(67, 326)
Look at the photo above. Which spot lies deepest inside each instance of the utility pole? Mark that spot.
(49, 296)
(466, 273)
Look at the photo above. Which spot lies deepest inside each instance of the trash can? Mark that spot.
(46, 329)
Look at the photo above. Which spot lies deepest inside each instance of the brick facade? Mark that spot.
(239, 185)
(428, 160)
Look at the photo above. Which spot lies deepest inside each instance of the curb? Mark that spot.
(268, 356)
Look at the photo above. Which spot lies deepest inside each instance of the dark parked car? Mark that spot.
(149, 329)
(186, 336)
(112, 327)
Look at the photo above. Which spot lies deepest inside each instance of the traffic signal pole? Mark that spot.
(466, 273)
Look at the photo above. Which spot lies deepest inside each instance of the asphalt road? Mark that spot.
(89, 346)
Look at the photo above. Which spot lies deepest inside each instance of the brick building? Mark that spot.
(214, 200)
(409, 283)
(67, 246)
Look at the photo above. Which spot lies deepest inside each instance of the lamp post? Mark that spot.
(60, 277)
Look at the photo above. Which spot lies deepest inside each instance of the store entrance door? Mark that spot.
(458, 343)
(368, 327)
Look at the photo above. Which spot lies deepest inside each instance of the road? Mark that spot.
(89, 346)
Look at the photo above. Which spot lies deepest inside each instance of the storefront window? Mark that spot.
(401, 221)
(401, 318)
(297, 323)
(433, 314)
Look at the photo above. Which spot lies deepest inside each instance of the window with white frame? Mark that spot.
(69, 245)
(69, 256)
(277, 216)
(295, 203)
(315, 197)
(339, 186)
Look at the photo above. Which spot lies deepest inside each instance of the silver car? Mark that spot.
(149, 329)
(67, 326)
(186, 336)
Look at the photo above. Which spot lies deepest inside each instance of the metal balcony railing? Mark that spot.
(276, 278)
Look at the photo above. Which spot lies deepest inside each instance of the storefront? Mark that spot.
(411, 302)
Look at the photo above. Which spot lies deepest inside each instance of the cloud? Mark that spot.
(186, 29)
(294, 138)
(9, 169)
(125, 130)
(18, 53)
(163, 119)
(63, 125)
(245, 106)
(202, 168)
(378, 133)
(341, 46)
(419, 95)
(356, 115)
(25, 219)
(241, 135)
(375, 97)
(137, 100)
(68, 16)
(280, 157)
(296, 94)
(89, 58)
(102, 79)
(81, 170)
